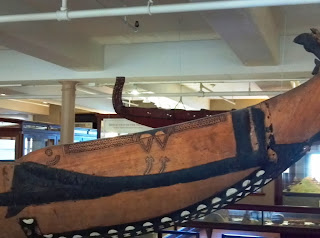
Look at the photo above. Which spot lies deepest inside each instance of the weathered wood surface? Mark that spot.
(154, 117)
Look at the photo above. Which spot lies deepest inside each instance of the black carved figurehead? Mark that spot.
(311, 43)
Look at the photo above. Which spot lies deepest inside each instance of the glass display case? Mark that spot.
(304, 176)
(301, 182)
(18, 138)
(239, 236)
(266, 216)
(39, 135)
(85, 134)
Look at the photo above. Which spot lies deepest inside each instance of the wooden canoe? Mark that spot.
(139, 183)
(154, 117)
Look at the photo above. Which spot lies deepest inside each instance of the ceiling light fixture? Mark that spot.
(3, 94)
(86, 91)
(29, 102)
(135, 91)
(10, 85)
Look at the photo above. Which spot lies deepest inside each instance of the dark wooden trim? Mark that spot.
(313, 195)
(257, 194)
(209, 232)
(102, 116)
(19, 145)
(278, 199)
(11, 120)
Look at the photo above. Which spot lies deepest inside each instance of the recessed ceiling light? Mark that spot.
(135, 92)
(3, 94)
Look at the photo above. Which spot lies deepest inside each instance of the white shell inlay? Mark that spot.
(201, 206)
(260, 173)
(77, 236)
(112, 231)
(229, 200)
(248, 188)
(240, 194)
(238, 199)
(28, 221)
(130, 228)
(166, 219)
(267, 181)
(149, 229)
(147, 224)
(94, 234)
(231, 191)
(48, 236)
(246, 183)
(185, 213)
(246, 194)
(139, 232)
(215, 200)
(126, 234)
(216, 206)
(259, 182)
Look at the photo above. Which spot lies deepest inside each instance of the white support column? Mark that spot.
(68, 111)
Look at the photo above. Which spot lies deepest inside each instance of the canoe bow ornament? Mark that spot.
(311, 43)
(153, 117)
(119, 187)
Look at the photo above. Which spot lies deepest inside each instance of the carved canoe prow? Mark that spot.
(144, 182)
(153, 117)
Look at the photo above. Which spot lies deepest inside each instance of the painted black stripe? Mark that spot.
(38, 184)
(241, 127)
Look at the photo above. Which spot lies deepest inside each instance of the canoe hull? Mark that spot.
(120, 187)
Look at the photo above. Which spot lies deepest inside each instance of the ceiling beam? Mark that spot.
(24, 106)
(252, 34)
(50, 41)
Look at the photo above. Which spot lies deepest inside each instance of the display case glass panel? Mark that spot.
(235, 216)
(304, 176)
(239, 236)
(264, 218)
(292, 219)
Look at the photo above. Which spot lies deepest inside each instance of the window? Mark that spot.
(7, 149)
(314, 165)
